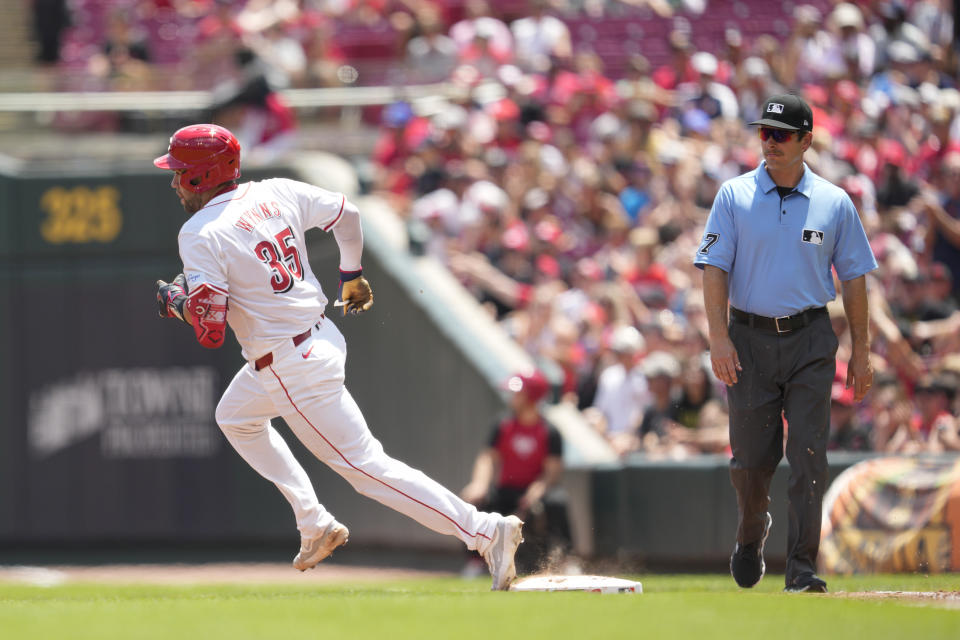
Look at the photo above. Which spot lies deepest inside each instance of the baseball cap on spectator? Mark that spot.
(950, 98)
(704, 62)
(516, 237)
(488, 197)
(590, 269)
(847, 14)
(641, 237)
(756, 67)
(495, 158)
(671, 151)
(533, 385)
(904, 95)
(930, 95)
(451, 117)
(504, 109)
(605, 126)
(891, 152)
(807, 14)
(626, 340)
(509, 74)
(535, 86)
(786, 111)
(547, 265)
(435, 205)
(566, 85)
(847, 91)
(535, 198)
(548, 231)
(481, 127)
(660, 363)
(902, 52)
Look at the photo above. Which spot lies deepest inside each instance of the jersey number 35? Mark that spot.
(283, 259)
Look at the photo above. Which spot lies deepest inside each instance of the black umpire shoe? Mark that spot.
(806, 583)
(746, 563)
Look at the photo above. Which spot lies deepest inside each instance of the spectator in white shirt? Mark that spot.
(478, 18)
(539, 37)
(622, 392)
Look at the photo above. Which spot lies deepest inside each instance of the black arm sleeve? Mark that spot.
(494, 435)
(554, 442)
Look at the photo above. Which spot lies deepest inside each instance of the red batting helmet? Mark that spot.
(208, 154)
(533, 385)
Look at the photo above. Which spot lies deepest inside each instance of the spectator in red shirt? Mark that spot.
(218, 35)
(933, 427)
(678, 70)
(520, 470)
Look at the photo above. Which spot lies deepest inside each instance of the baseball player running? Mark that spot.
(245, 264)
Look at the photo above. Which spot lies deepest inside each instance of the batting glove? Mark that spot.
(354, 292)
(171, 296)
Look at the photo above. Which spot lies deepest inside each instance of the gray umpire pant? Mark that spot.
(789, 374)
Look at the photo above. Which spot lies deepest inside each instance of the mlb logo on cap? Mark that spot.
(788, 112)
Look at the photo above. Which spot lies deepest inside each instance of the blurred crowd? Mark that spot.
(571, 198)
(571, 203)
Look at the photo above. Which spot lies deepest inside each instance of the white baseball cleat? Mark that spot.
(313, 550)
(500, 553)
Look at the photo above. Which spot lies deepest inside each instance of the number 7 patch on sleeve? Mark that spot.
(709, 240)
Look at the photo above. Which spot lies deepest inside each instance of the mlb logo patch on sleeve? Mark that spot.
(813, 236)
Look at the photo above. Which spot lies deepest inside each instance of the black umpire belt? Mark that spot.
(783, 324)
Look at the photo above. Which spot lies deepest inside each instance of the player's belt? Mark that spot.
(783, 324)
(267, 360)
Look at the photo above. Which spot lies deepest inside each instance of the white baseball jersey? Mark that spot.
(249, 244)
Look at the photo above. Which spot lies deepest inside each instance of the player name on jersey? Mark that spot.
(253, 216)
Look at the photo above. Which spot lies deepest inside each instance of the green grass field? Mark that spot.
(674, 607)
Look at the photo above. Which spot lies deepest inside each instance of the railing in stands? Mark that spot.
(178, 101)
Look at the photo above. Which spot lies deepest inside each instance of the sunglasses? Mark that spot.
(779, 135)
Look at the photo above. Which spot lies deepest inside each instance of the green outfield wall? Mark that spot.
(676, 514)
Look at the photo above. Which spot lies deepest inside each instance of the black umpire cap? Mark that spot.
(786, 111)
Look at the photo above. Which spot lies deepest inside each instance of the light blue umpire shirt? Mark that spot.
(777, 251)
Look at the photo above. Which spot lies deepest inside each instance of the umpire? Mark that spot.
(770, 241)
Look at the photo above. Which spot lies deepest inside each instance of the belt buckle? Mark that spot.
(776, 321)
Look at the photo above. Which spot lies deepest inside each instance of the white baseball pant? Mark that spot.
(305, 385)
